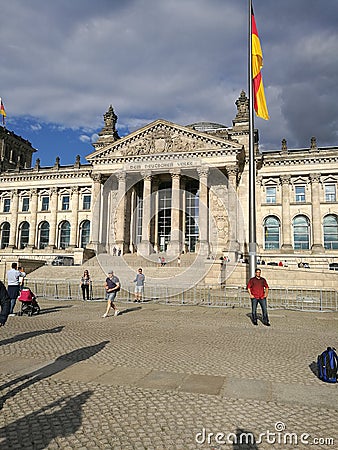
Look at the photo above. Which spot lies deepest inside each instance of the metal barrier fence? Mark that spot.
(203, 295)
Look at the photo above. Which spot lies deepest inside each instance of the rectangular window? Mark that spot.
(7, 205)
(330, 192)
(86, 201)
(300, 194)
(65, 202)
(45, 203)
(271, 194)
(25, 204)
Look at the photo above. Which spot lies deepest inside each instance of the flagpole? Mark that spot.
(252, 165)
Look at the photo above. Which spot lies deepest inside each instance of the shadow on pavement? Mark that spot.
(61, 363)
(245, 440)
(30, 429)
(53, 309)
(30, 334)
(128, 310)
(314, 368)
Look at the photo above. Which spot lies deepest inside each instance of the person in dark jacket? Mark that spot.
(5, 303)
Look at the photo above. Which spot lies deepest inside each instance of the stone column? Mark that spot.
(128, 220)
(75, 217)
(155, 186)
(144, 246)
(174, 247)
(96, 213)
(14, 219)
(286, 238)
(203, 211)
(119, 219)
(33, 218)
(184, 197)
(53, 218)
(132, 220)
(317, 240)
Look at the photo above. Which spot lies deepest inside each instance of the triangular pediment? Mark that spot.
(162, 137)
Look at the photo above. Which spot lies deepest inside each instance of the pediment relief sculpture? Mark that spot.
(162, 138)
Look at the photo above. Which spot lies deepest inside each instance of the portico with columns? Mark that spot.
(160, 181)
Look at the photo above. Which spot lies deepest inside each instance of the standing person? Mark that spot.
(179, 261)
(21, 277)
(258, 290)
(139, 286)
(85, 284)
(13, 286)
(112, 286)
(5, 303)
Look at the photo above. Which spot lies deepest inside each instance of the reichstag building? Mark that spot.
(169, 189)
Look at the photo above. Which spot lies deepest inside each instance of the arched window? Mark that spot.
(84, 233)
(271, 233)
(64, 234)
(4, 234)
(43, 236)
(330, 226)
(23, 235)
(301, 233)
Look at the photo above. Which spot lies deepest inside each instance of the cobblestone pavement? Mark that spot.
(165, 377)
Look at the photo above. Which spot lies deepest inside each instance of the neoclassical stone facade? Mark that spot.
(169, 188)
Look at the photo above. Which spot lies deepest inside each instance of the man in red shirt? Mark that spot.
(258, 290)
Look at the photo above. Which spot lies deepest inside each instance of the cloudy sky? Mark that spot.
(63, 62)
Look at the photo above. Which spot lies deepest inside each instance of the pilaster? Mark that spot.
(14, 219)
(317, 246)
(286, 246)
(53, 218)
(33, 218)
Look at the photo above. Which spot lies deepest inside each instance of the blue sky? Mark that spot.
(64, 62)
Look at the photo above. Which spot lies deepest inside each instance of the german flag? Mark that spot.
(257, 64)
(2, 108)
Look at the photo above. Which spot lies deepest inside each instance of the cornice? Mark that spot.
(278, 160)
(167, 156)
(43, 176)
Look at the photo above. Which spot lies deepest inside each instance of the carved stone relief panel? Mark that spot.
(220, 220)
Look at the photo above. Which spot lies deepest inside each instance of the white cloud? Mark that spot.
(182, 60)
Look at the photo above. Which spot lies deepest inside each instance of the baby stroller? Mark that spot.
(29, 305)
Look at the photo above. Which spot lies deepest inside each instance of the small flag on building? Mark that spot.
(2, 111)
(257, 64)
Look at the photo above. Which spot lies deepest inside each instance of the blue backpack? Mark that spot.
(327, 364)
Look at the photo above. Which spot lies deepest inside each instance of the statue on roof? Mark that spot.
(242, 108)
(109, 132)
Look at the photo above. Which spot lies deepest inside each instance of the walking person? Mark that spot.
(139, 286)
(5, 303)
(258, 290)
(13, 286)
(85, 284)
(21, 277)
(112, 286)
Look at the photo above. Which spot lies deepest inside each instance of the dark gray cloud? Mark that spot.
(64, 62)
